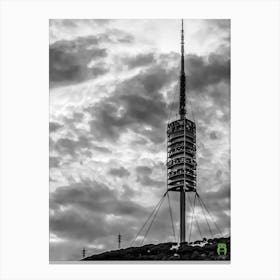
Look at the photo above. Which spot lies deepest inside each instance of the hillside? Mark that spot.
(198, 250)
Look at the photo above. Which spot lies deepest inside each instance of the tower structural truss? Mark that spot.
(181, 149)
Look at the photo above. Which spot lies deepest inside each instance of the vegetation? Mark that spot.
(198, 251)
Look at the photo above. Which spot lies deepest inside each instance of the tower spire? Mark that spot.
(182, 45)
(182, 111)
(182, 107)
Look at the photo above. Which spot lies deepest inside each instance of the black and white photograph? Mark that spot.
(139, 140)
(139, 144)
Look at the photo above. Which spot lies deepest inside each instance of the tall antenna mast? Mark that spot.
(181, 149)
(181, 153)
(182, 107)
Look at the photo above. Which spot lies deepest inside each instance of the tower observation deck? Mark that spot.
(181, 149)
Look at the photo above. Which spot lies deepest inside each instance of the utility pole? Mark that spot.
(84, 253)
(119, 240)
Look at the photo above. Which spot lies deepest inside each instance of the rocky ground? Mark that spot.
(198, 251)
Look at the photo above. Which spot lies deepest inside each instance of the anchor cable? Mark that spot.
(153, 219)
(193, 208)
(211, 217)
(170, 211)
(196, 220)
(147, 220)
(205, 218)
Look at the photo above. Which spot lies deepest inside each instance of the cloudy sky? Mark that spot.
(112, 86)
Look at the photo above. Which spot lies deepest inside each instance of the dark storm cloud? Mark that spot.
(213, 135)
(54, 126)
(75, 118)
(128, 192)
(207, 77)
(139, 60)
(136, 103)
(68, 60)
(222, 193)
(54, 162)
(97, 71)
(70, 23)
(223, 24)
(80, 211)
(67, 146)
(203, 71)
(146, 181)
(101, 149)
(119, 172)
(144, 177)
(93, 196)
(143, 170)
(86, 204)
(81, 145)
(75, 224)
(217, 201)
(218, 174)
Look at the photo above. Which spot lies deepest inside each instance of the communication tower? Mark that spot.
(181, 165)
(181, 149)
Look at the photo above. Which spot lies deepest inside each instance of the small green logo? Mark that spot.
(222, 249)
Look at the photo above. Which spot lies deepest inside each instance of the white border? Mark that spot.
(255, 138)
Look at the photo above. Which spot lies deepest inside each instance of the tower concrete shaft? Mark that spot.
(182, 215)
